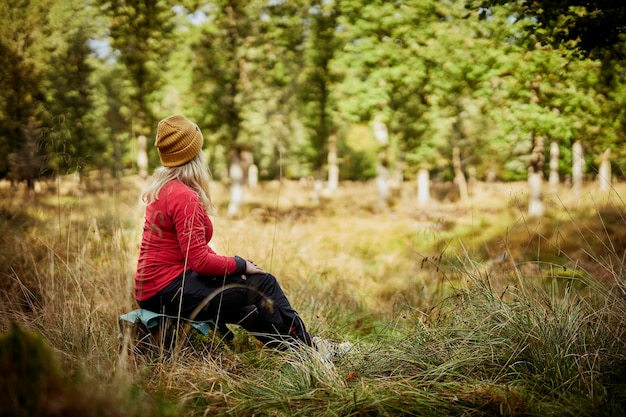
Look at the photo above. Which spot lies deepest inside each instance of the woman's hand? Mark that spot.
(252, 268)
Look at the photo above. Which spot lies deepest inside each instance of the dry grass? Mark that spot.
(458, 308)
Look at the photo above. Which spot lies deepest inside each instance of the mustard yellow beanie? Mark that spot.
(178, 140)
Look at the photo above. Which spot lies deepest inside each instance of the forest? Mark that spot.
(290, 85)
(478, 292)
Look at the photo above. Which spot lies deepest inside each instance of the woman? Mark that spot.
(178, 273)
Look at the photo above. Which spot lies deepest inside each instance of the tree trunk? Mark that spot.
(253, 176)
(554, 166)
(423, 187)
(536, 207)
(604, 175)
(578, 164)
(142, 157)
(117, 158)
(333, 166)
(382, 184)
(236, 186)
(459, 176)
(382, 168)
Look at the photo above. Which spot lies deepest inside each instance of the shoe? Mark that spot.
(329, 349)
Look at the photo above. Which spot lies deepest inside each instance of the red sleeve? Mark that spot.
(194, 230)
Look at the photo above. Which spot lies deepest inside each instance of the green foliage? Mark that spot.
(384, 70)
(317, 79)
(47, 91)
(278, 79)
(218, 57)
(593, 27)
(140, 31)
(23, 43)
(358, 150)
(71, 143)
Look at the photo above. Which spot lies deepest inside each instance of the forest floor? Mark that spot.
(455, 307)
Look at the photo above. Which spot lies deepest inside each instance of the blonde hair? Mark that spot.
(194, 174)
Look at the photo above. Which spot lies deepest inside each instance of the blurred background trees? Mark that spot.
(280, 84)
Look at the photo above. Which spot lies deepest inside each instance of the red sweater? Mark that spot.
(175, 239)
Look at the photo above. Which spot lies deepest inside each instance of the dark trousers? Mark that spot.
(256, 302)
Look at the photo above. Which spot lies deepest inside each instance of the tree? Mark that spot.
(463, 72)
(426, 72)
(23, 31)
(222, 82)
(316, 82)
(140, 34)
(384, 73)
(589, 35)
(591, 26)
(274, 126)
(71, 142)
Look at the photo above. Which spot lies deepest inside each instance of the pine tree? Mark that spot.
(22, 33)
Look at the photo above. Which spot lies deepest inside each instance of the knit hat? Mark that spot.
(178, 140)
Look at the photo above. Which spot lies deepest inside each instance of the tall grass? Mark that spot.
(454, 310)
